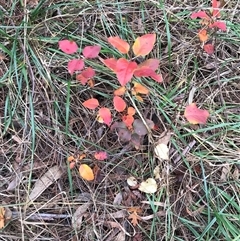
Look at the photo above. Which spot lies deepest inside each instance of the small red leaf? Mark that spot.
(67, 46)
(118, 43)
(200, 14)
(104, 116)
(220, 25)
(119, 104)
(128, 120)
(91, 103)
(101, 155)
(75, 65)
(195, 115)
(208, 48)
(150, 63)
(143, 45)
(111, 63)
(88, 73)
(91, 52)
(124, 70)
(145, 71)
(83, 80)
(215, 5)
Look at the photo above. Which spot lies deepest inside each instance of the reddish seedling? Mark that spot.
(210, 24)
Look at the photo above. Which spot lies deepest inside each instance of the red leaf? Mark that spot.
(101, 155)
(143, 45)
(118, 43)
(91, 52)
(215, 5)
(104, 116)
(88, 73)
(151, 63)
(208, 48)
(111, 63)
(124, 70)
(119, 104)
(75, 65)
(128, 120)
(200, 14)
(91, 103)
(219, 24)
(195, 115)
(67, 46)
(145, 71)
(83, 80)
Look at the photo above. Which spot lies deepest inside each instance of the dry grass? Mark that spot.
(43, 122)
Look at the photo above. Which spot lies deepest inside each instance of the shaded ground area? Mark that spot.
(43, 122)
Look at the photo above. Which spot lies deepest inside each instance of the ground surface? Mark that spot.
(43, 122)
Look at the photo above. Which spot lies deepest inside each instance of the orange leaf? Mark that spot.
(119, 104)
(143, 45)
(125, 70)
(134, 215)
(195, 115)
(150, 63)
(140, 89)
(131, 111)
(203, 36)
(118, 43)
(111, 63)
(120, 91)
(70, 158)
(86, 172)
(91, 103)
(128, 120)
(104, 116)
(2, 217)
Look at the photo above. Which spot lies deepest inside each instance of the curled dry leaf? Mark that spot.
(86, 172)
(78, 215)
(132, 181)
(52, 175)
(148, 186)
(162, 151)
